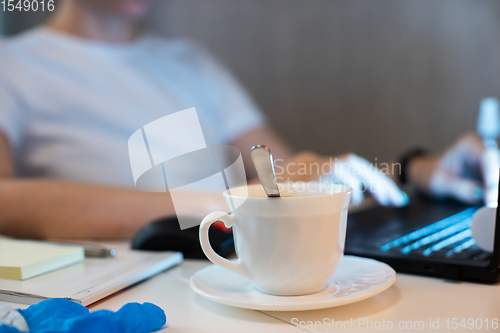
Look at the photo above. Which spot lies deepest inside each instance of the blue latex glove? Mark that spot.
(64, 316)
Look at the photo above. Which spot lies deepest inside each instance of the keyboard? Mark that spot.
(448, 238)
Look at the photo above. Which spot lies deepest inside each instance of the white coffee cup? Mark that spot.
(289, 245)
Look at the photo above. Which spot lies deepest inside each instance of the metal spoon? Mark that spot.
(263, 162)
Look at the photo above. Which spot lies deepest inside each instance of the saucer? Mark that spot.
(354, 280)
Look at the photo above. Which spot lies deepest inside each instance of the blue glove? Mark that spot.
(61, 315)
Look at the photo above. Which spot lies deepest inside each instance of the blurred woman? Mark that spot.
(74, 90)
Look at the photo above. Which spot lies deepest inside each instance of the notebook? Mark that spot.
(21, 259)
(92, 279)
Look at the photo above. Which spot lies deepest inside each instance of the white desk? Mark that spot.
(411, 299)
(188, 312)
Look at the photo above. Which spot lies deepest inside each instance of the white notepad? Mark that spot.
(91, 279)
(22, 259)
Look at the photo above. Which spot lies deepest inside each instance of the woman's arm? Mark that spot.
(466, 171)
(308, 166)
(56, 209)
(46, 208)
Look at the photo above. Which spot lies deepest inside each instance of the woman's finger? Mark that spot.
(342, 173)
(383, 189)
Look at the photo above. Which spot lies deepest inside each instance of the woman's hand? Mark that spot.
(307, 166)
(467, 171)
(348, 169)
(362, 176)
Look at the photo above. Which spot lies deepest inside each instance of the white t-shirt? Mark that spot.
(68, 105)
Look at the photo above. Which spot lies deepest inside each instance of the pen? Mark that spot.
(97, 251)
(93, 250)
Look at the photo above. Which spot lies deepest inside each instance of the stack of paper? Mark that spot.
(91, 279)
(20, 259)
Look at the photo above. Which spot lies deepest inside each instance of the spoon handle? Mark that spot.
(263, 162)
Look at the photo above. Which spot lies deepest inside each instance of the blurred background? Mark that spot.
(372, 77)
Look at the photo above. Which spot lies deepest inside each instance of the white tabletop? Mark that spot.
(188, 312)
(411, 301)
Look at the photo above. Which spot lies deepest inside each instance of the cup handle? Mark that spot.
(229, 220)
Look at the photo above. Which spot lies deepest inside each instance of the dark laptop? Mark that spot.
(426, 237)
